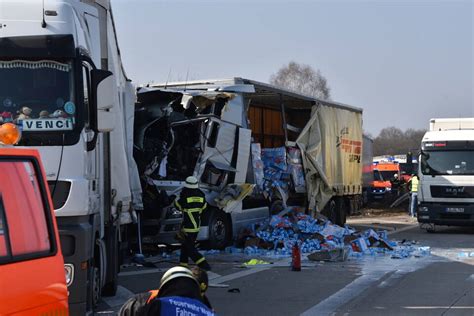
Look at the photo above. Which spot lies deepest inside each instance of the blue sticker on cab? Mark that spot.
(70, 108)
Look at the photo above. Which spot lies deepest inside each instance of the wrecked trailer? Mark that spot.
(255, 149)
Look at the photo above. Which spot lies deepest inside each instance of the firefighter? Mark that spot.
(192, 202)
(180, 293)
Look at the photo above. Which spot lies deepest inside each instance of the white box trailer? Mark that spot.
(444, 124)
(217, 130)
(367, 171)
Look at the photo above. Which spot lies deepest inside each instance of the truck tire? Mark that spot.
(330, 211)
(341, 214)
(94, 287)
(220, 230)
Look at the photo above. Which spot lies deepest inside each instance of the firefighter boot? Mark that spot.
(204, 265)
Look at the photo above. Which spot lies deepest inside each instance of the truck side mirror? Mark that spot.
(101, 104)
(103, 83)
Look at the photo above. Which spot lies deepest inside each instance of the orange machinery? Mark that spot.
(32, 271)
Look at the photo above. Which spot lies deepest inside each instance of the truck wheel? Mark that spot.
(94, 288)
(330, 211)
(219, 230)
(340, 212)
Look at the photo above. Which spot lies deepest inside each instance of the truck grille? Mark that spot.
(447, 191)
(456, 216)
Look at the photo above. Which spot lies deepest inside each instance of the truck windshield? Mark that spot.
(37, 95)
(453, 162)
(378, 176)
(388, 175)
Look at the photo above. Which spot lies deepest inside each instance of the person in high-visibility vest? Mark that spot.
(414, 194)
(192, 202)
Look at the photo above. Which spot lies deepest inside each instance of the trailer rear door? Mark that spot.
(331, 143)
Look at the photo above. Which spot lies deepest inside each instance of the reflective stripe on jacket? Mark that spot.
(192, 202)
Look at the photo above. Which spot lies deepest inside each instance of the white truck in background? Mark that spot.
(220, 130)
(446, 173)
(368, 176)
(62, 82)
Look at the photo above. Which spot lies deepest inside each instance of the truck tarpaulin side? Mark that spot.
(332, 172)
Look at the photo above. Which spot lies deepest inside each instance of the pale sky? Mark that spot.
(403, 62)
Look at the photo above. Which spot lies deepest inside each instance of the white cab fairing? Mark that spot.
(21, 18)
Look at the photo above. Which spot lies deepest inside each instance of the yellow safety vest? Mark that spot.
(414, 184)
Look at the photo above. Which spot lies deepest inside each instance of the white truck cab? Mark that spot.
(62, 83)
(446, 172)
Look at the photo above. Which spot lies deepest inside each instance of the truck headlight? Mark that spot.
(388, 189)
(423, 209)
(69, 272)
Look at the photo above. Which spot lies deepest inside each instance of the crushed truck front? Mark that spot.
(236, 131)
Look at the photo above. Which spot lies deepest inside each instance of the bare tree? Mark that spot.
(302, 78)
(393, 141)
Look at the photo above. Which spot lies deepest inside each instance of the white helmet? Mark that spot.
(191, 183)
(177, 272)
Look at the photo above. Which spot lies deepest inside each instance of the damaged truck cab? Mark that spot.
(243, 140)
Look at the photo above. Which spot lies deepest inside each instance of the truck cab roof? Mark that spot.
(270, 93)
(449, 135)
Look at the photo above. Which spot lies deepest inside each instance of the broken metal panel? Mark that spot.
(233, 111)
(283, 117)
(222, 166)
(203, 99)
(223, 150)
(230, 85)
(215, 163)
(171, 187)
(243, 150)
(231, 197)
(245, 219)
(238, 88)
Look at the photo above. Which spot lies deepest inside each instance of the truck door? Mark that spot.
(31, 264)
(225, 155)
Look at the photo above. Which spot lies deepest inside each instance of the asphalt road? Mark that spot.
(439, 284)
